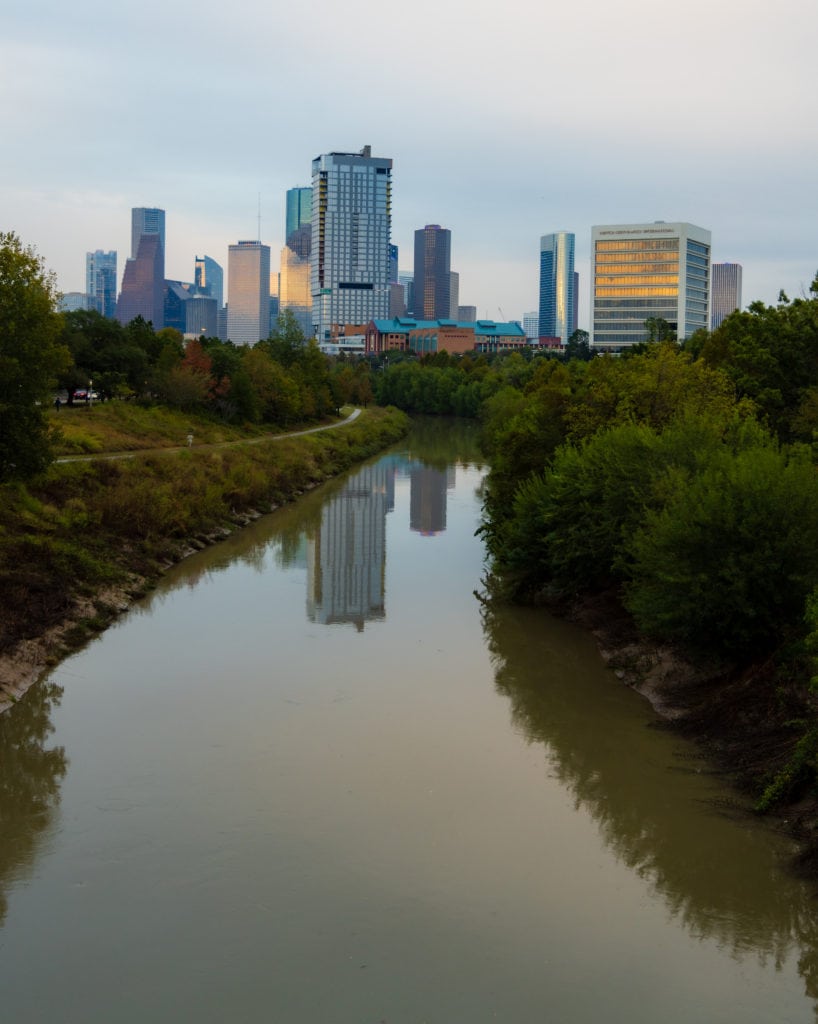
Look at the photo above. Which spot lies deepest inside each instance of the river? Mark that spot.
(314, 779)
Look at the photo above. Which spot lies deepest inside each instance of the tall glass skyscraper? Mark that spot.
(208, 277)
(146, 220)
(647, 271)
(433, 268)
(248, 292)
(351, 223)
(557, 313)
(726, 291)
(100, 281)
(299, 210)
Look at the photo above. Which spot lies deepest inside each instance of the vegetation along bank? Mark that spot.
(668, 499)
(201, 421)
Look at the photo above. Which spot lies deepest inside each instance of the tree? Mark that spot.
(578, 346)
(31, 358)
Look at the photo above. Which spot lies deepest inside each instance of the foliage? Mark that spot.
(728, 560)
(31, 357)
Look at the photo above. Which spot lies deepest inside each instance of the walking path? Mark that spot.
(209, 447)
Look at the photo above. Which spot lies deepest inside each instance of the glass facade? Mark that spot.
(143, 284)
(644, 271)
(146, 220)
(100, 281)
(299, 210)
(558, 306)
(432, 277)
(351, 223)
(726, 292)
(208, 276)
(248, 292)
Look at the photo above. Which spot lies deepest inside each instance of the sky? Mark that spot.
(504, 121)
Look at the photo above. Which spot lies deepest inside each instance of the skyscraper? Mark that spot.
(726, 291)
(294, 287)
(146, 220)
(454, 294)
(393, 264)
(143, 284)
(208, 276)
(299, 210)
(648, 271)
(248, 292)
(351, 221)
(557, 313)
(433, 251)
(100, 281)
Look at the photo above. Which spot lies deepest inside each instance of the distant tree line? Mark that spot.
(282, 380)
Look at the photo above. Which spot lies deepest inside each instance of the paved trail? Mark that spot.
(210, 447)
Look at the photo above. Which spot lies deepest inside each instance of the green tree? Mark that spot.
(31, 358)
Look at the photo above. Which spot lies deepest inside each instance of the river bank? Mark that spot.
(81, 543)
(748, 725)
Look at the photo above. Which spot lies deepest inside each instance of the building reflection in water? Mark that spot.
(427, 503)
(346, 557)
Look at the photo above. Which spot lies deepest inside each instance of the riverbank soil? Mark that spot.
(750, 723)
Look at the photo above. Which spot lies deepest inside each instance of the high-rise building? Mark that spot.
(143, 284)
(72, 302)
(408, 283)
(351, 222)
(100, 281)
(454, 294)
(294, 287)
(725, 291)
(468, 314)
(433, 251)
(294, 292)
(248, 292)
(208, 276)
(531, 326)
(557, 303)
(299, 210)
(146, 220)
(393, 264)
(644, 272)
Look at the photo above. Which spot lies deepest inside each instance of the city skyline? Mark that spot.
(496, 182)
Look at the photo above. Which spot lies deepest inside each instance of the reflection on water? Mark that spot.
(272, 815)
(30, 776)
(723, 881)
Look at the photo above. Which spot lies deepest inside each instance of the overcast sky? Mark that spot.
(505, 121)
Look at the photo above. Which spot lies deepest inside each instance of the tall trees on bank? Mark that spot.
(31, 357)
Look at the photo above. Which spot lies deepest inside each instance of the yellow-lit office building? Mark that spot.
(648, 271)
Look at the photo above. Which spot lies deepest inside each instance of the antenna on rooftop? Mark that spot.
(258, 236)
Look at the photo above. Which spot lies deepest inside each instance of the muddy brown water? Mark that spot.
(313, 779)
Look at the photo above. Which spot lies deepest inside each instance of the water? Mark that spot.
(313, 778)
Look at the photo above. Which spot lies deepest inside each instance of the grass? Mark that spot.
(119, 426)
(83, 527)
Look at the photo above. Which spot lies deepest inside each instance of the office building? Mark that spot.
(408, 283)
(433, 250)
(531, 326)
(557, 313)
(201, 317)
(299, 211)
(725, 291)
(248, 292)
(648, 271)
(393, 264)
(146, 220)
(351, 222)
(397, 300)
(208, 277)
(454, 294)
(100, 281)
(176, 295)
(467, 314)
(72, 302)
(294, 293)
(143, 284)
